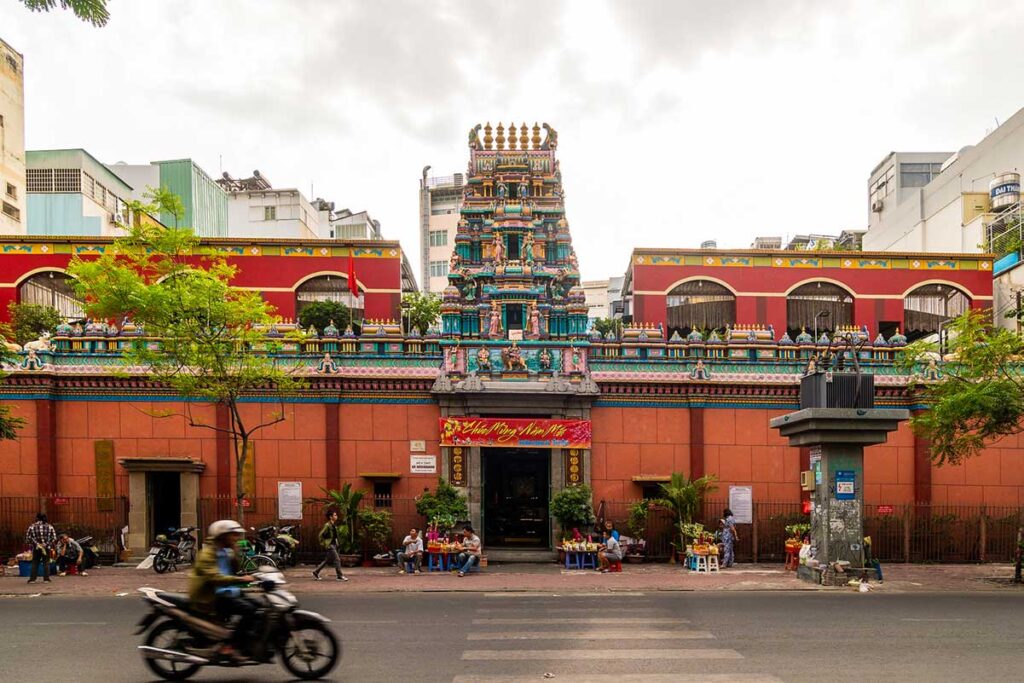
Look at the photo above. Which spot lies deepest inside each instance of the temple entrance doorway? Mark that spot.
(516, 494)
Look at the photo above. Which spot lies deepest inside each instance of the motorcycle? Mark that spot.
(179, 641)
(170, 550)
(277, 544)
(90, 556)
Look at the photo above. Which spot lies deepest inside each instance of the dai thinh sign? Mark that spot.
(515, 433)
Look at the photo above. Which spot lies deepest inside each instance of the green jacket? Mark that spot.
(206, 577)
(329, 535)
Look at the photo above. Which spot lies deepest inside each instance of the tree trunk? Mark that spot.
(240, 457)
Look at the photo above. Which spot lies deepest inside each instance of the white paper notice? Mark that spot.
(741, 502)
(289, 499)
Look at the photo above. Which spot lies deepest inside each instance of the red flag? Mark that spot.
(352, 285)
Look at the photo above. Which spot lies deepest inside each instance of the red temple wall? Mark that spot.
(761, 291)
(274, 276)
(738, 446)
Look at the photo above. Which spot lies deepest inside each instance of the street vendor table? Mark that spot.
(581, 559)
(439, 560)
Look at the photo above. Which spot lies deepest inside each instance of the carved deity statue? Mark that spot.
(498, 249)
(494, 325)
(524, 189)
(512, 358)
(483, 359)
(474, 137)
(453, 262)
(534, 325)
(502, 190)
(573, 262)
(545, 359)
(528, 248)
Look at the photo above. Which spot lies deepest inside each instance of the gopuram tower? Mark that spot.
(513, 308)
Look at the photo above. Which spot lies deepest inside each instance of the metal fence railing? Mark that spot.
(262, 511)
(899, 533)
(101, 518)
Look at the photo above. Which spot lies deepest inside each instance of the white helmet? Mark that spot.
(224, 526)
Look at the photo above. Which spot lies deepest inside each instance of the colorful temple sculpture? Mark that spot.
(514, 307)
(511, 397)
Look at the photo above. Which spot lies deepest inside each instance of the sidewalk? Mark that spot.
(545, 578)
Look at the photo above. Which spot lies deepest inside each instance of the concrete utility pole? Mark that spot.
(837, 420)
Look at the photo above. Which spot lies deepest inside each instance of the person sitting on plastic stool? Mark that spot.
(413, 552)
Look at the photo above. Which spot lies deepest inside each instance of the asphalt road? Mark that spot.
(653, 637)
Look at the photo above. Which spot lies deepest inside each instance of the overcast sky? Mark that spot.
(678, 121)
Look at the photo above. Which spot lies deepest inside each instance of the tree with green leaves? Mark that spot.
(29, 321)
(976, 398)
(420, 310)
(979, 395)
(606, 325)
(210, 345)
(443, 506)
(320, 314)
(9, 424)
(93, 11)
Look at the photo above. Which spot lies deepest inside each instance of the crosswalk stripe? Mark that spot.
(603, 634)
(574, 594)
(627, 678)
(589, 655)
(561, 610)
(580, 620)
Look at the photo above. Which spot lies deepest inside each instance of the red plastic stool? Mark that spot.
(615, 566)
(72, 570)
(792, 560)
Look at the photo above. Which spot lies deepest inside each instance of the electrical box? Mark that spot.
(807, 480)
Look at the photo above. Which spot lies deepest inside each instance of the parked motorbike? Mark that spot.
(90, 556)
(278, 544)
(170, 550)
(179, 641)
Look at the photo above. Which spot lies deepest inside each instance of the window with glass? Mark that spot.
(438, 238)
(269, 213)
(918, 175)
(438, 268)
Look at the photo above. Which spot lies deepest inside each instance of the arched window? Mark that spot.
(926, 307)
(53, 289)
(328, 288)
(828, 304)
(700, 304)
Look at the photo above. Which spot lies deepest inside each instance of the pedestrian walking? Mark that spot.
(329, 537)
(729, 537)
(41, 537)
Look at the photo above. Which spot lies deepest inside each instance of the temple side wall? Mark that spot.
(373, 438)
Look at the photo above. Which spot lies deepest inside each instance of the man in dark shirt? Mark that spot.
(40, 537)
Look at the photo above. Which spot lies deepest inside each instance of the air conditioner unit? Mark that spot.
(876, 206)
(807, 480)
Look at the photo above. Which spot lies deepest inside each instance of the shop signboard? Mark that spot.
(423, 464)
(514, 433)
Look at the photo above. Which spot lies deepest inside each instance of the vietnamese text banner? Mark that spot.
(514, 433)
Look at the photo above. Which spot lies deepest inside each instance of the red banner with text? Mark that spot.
(514, 433)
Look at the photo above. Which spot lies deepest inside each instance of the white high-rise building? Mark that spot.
(440, 203)
(12, 142)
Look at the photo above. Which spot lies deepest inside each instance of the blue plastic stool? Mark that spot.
(588, 560)
(437, 562)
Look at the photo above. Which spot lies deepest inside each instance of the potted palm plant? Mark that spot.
(376, 529)
(637, 524)
(685, 498)
(346, 502)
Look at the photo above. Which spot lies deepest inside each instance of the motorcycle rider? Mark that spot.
(214, 584)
